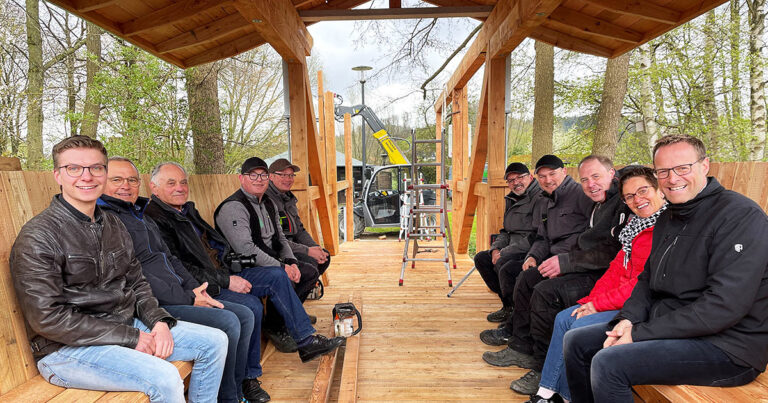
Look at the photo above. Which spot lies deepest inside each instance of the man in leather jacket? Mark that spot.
(81, 290)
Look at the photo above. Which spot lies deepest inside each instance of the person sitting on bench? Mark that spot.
(176, 290)
(202, 250)
(698, 314)
(500, 265)
(281, 177)
(82, 291)
(640, 191)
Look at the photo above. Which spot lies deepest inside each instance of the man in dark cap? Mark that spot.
(500, 265)
(282, 174)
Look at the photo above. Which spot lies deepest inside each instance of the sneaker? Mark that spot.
(538, 399)
(253, 392)
(528, 384)
(496, 337)
(501, 315)
(317, 292)
(283, 341)
(509, 357)
(319, 345)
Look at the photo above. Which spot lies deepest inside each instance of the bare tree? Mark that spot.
(544, 104)
(205, 118)
(710, 107)
(91, 107)
(609, 114)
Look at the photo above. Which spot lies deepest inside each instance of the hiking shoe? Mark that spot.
(283, 341)
(317, 292)
(253, 392)
(538, 399)
(509, 357)
(496, 337)
(500, 316)
(319, 345)
(528, 384)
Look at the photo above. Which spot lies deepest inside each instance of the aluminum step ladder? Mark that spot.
(422, 219)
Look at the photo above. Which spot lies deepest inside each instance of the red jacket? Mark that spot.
(616, 285)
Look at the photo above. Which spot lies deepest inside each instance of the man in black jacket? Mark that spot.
(176, 290)
(699, 312)
(202, 250)
(500, 265)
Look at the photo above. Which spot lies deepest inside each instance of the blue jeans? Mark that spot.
(117, 368)
(607, 374)
(553, 374)
(270, 282)
(236, 321)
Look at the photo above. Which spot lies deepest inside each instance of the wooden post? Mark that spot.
(349, 175)
(494, 217)
(298, 109)
(330, 166)
(460, 121)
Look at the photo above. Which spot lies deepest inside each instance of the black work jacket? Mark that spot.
(78, 281)
(519, 228)
(180, 235)
(707, 276)
(171, 282)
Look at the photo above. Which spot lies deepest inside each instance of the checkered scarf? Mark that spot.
(634, 227)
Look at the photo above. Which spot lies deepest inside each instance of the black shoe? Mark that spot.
(312, 319)
(500, 316)
(528, 384)
(253, 392)
(317, 292)
(538, 399)
(495, 337)
(509, 357)
(318, 346)
(282, 340)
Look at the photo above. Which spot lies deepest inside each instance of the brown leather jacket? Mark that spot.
(78, 282)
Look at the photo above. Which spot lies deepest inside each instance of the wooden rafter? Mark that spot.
(206, 33)
(521, 19)
(565, 41)
(234, 47)
(84, 6)
(279, 24)
(640, 8)
(395, 13)
(566, 17)
(173, 13)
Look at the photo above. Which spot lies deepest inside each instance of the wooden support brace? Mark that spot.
(348, 385)
(349, 176)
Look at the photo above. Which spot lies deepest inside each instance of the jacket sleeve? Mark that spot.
(236, 228)
(37, 270)
(502, 240)
(596, 258)
(616, 285)
(734, 277)
(540, 247)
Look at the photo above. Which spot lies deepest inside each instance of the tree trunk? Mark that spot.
(91, 107)
(544, 101)
(609, 114)
(735, 50)
(205, 119)
(710, 107)
(34, 87)
(69, 65)
(756, 81)
(646, 96)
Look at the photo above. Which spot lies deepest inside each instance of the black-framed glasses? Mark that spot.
(118, 181)
(642, 191)
(517, 179)
(282, 175)
(679, 170)
(254, 176)
(76, 171)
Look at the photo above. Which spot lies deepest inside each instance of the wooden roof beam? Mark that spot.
(278, 22)
(565, 41)
(522, 17)
(84, 6)
(590, 25)
(206, 33)
(169, 15)
(235, 47)
(394, 13)
(640, 8)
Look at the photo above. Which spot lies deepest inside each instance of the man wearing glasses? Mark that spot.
(699, 312)
(281, 177)
(500, 265)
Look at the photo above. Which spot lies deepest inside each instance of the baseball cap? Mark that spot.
(281, 164)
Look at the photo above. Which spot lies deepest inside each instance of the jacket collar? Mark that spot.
(75, 212)
(272, 190)
(122, 206)
(687, 209)
(188, 206)
(567, 182)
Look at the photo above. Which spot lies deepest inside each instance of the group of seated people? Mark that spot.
(649, 276)
(115, 285)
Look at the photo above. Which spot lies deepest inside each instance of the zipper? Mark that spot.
(659, 266)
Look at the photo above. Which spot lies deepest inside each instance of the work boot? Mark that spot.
(253, 392)
(509, 357)
(283, 341)
(538, 399)
(501, 315)
(528, 384)
(496, 337)
(317, 346)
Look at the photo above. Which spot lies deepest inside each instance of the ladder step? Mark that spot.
(412, 235)
(428, 186)
(424, 259)
(426, 141)
(426, 210)
(432, 247)
(428, 227)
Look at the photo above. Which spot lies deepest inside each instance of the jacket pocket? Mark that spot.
(80, 270)
(118, 263)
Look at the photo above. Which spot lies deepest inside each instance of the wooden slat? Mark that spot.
(524, 16)
(594, 26)
(10, 164)
(321, 387)
(84, 6)
(642, 9)
(205, 33)
(394, 13)
(237, 46)
(348, 384)
(565, 41)
(168, 15)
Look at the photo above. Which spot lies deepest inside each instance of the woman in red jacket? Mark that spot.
(640, 191)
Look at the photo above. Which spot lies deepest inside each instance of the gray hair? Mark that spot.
(158, 167)
(123, 159)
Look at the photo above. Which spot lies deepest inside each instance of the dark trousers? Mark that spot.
(500, 277)
(607, 374)
(270, 282)
(321, 268)
(237, 322)
(309, 275)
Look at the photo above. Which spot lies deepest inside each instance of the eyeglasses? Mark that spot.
(254, 176)
(642, 191)
(76, 171)
(118, 181)
(517, 179)
(680, 170)
(282, 175)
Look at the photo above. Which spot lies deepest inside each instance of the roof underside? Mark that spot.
(187, 33)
